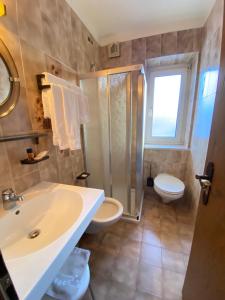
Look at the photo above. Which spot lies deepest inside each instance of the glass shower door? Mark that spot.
(120, 131)
(96, 134)
(107, 137)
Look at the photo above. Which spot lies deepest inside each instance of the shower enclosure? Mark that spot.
(114, 136)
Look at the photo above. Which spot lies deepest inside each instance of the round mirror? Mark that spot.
(9, 82)
(5, 83)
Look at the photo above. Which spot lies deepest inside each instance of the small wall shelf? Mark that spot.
(30, 162)
(83, 176)
(33, 135)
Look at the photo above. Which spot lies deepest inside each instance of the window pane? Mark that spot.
(165, 105)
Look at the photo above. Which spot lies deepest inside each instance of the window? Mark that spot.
(166, 112)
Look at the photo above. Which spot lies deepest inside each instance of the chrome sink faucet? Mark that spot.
(10, 198)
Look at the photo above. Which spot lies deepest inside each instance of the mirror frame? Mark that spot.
(12, 99)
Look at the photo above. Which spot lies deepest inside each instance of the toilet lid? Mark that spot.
(169, 184)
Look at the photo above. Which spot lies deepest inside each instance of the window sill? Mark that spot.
(167, 147)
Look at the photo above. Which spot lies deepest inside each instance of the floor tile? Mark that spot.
(102, 264)
(186, 218)
(125, 271)
(130, 249)
(186, 260)
(117, 228)
(171, 242)
(145, 296)
(173, 261)
(133, 231)
(110, 243)
(186, 243)
(151, 254)
(120, 291)
(152, 224)
(172, 285)
(90, 241)
(151, 237)
(152, 212)
(168, 226)
(186, 229)
(147, 260)
(149, 279)
(100, 287)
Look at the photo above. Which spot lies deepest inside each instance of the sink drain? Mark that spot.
(34, 233)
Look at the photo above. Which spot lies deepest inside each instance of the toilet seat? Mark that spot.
(110, 210)
(169, 184)
(109, 213)
(168, 187)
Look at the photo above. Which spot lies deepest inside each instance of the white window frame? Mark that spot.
(182, 113)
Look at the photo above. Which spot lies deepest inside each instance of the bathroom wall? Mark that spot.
(41, 36)
(138, 50)
(209, 67)
(169, 161)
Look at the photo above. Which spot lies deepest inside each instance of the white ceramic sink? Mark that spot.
(58, 214)
(48, 216)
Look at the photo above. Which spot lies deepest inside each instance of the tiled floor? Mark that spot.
(142, 261)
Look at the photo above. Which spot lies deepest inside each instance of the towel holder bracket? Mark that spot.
(40, 85)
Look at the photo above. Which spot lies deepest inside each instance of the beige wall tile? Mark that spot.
(138, 51)
(5, 170)
(153, 46)
(24, 182)
(50, 10)
(30, 22)
(197, 39)
(185, 40)
(51, 37)
(10, 22)
(169, 43)
(34, 63)
(64, 31)
(18, 120)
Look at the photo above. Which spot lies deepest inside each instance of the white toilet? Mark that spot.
(109, 213)
(168, 187)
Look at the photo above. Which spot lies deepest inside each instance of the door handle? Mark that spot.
(206, 182)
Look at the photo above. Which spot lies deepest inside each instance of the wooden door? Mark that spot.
(205, 279)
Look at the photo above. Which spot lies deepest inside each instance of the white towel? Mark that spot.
(56, 110)
(67, 107)
(46, 94)
(83, 108)
(67, 283)
(83, 99)
(71, 118)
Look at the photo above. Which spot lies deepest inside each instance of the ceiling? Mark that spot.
(121, 20)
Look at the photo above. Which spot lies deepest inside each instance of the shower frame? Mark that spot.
(140, 126)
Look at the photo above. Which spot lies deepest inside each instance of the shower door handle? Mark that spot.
(206, 182)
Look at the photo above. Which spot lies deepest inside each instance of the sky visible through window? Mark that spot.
(165, 105)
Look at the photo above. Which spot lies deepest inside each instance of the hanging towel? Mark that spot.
(83, 99)
(83, 108)
(71, 118)
(56, 111)
(66, 284)
(46, 94)
(67, 107)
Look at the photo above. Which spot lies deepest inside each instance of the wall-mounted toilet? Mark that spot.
(109, 213)
(168, 187)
